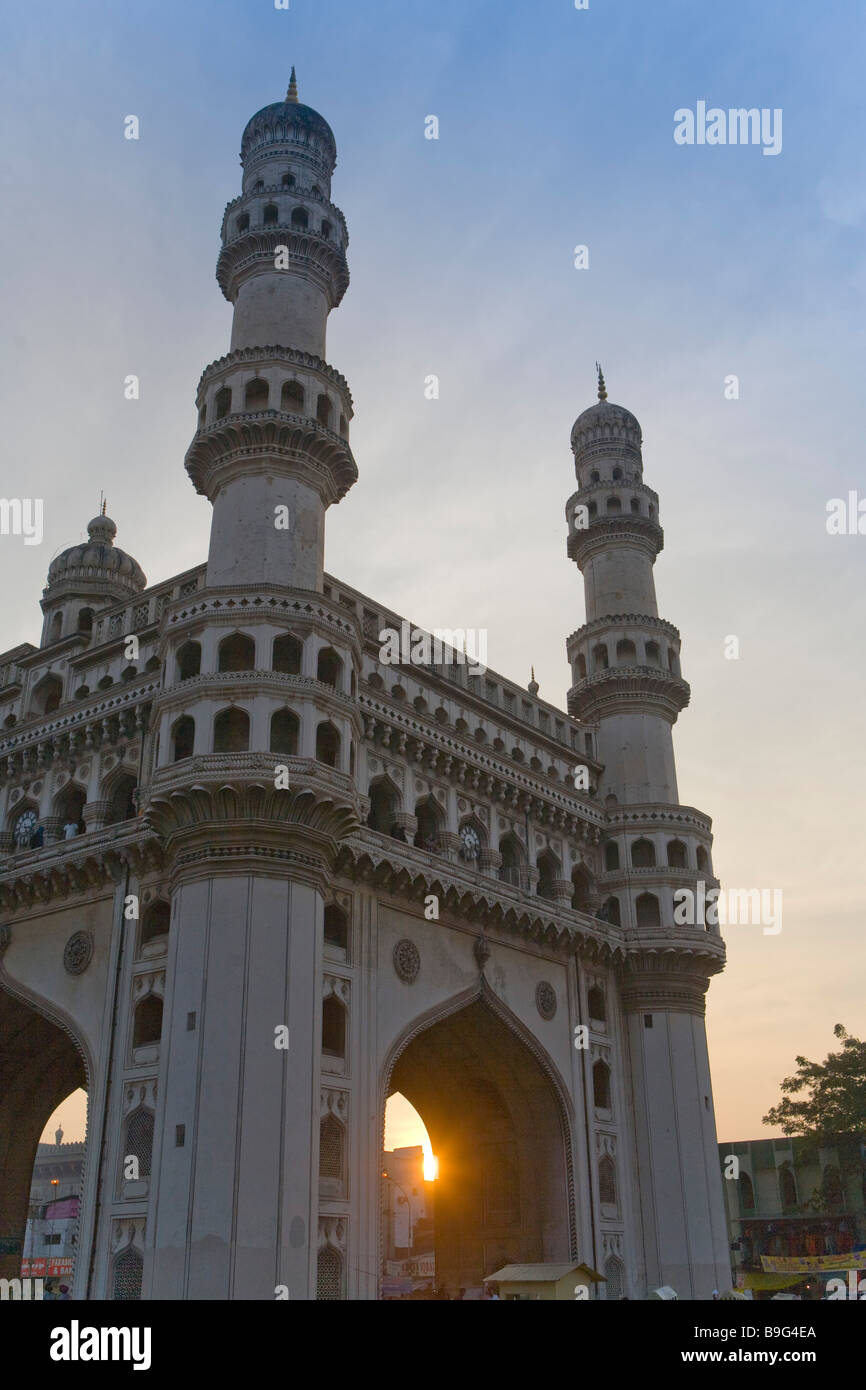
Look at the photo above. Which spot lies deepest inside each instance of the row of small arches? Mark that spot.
(643, 855)
(68, 809)
(626, 655)
(257, 395)
(613, 507)
(237, 652)
(299, 220)
(231, 734)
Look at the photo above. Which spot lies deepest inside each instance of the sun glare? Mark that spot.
(405, 1128)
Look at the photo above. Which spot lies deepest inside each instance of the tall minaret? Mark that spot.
(625, 664)
(271, 451)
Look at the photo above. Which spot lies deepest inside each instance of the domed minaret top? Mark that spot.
(86, 577)
(288, 128)
(605, 430)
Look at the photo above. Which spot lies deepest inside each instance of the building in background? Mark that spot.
(50, 1237)
(796, 1206)
(408, 1216)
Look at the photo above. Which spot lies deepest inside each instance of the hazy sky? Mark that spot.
(556, 129)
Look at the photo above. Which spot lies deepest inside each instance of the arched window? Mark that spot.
(611, 912)
(336, 926)
(429, 820)
(647, 910)
(183, 738)
(595, 476)
(676, 854)
(256, 394)
(223, 402)
(747, 1192)
(635, 506)
(548, 871)
(613, 1275)
(701, 858)
(581, 884)
(69, 806)
(138, 1139)
(327, 745)
(611, 855)
(85, 620)
(617, 475)
(258, 185)
(831, 1187)
(154, 921)
(121, 800)
(316, 191)
(599, 658)
(287, 181)
(595, 1002)
(326, 229)
(383, 806)
(613, 506)
(607, 1182)
(333, 1028)
(56, 627)
(188, 661)
(287, 655)
(653, 654)
(147, 1028)
(329, 667)
(231, 731)
(46, 695)
(510, 870)
(300, 219)
(344, 426)
(324, 410)
(581, 665)
(329, 1275)
(672, 660)
(292, 398)
(601, 1085)
(643, 854)
(285, 729)
(331, 1148)
(626, 652)
(787, 1186)
(271, 215)
(237, 653)
(243, 223)
(126, 1275)
(129, 673)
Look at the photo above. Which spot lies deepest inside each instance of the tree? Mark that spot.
(834, 1102)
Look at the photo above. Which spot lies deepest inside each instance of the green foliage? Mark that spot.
(824, 1100)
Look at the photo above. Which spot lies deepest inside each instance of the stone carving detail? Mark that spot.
(407, 960)
(481, 949)
(78, 952)
(545, 999)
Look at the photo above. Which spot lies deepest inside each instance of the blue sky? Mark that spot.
(556, 128)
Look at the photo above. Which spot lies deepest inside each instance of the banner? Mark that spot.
(811, 1264)
(42, 1267)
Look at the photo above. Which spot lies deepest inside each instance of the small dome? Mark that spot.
(97, 564)
(605, 429)
(273, 123)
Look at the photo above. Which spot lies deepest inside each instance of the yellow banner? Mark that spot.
(811, 1264)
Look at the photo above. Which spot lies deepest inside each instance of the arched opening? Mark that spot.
(326, 229)
(256, 394)
(581, 889)
(237, 653)
(285, 731)
(324, 411)
(287, 181)
(188, 661)
(647, 910)
(69, 806)
(243, 223)
(329, 668)
(676, 854)
(56, 630)
(231, 731)
(384, 805)
(614, 1276)
(611, 912)
(635, 506)
(787, 1186)
(47, 695)
(702, 860)
(643, 854)
(599, 658)
(329, 1274)
(43, 1107)
(607, 1182)
(429, 817)
(496, 1122)
(327, 745)
(548, 872)
(182, 738)
(292, 398)
(511, 870)
(613, 506)
(223, 403)
(611, 856)
(747, 1192)
(154, 922)
(333, 1028)
(147, 1022)
(270, 215)
(138, 1141)
(831, 1186)
(300, 219)
(653, 654)
(287, 655)
(336, 926)
(581, 666)
(121, 799)
(626, 652)
(85, 621)
(601, 1085)
(332, 1157)
(617, 475)
(596, 1004)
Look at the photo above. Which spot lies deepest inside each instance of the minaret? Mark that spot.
(271, 451)
(625, 664)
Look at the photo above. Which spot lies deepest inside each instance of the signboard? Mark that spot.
(809, 1264)
(42, 1267)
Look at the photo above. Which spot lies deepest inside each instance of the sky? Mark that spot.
(555, 130)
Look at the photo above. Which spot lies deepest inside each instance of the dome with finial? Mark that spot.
(96, 565)
(285, 121)
(533, 684)
(605, 428)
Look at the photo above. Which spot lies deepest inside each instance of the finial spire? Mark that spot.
(292, 93)
(602, 389)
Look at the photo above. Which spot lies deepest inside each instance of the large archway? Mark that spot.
(40, 1066)
(499, 1128)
